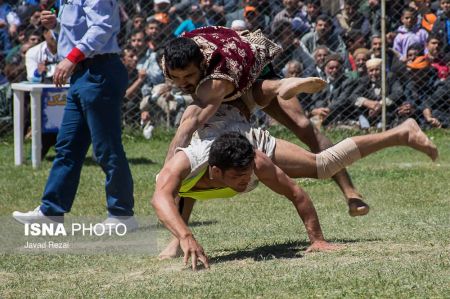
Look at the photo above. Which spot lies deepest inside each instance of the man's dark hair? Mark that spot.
(181, 52)
(137, 31)
(231, 150)
(416, 46)
(325, 18)
(410, 10)
(434, 36)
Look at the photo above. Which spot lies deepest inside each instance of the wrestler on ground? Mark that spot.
(215, 65)
(193, 173)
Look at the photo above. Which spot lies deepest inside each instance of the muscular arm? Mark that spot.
(163, 201)
(274, 178)
(209, 97)
(166, 190)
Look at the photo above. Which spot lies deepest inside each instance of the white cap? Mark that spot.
(238, 25)
(161, 1)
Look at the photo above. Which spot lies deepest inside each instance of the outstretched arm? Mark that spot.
(163, 201)
(274, 178)
(209, 97)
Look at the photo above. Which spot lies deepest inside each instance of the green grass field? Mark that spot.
(256, 242)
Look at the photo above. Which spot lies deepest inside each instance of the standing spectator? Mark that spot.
(294, 15)
(164, 14)
(98, 81)
(409, 33)
(323, 36)
(179, 8)
(215, 13)
(41, 60)
(350, 19)
(441, 27)
(152, 29)
(255, 19)
(195, 20)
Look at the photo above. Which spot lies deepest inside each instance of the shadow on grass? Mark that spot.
(287, 250)
(89, 161)
(159, 226)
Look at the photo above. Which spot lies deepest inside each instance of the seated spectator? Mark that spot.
(331, 104)
(294, 15)
(409, 33)
(323, 36)
(319, 55)
(360, 57)
(41, 60)
(414, 51)
(17, 42)
(353, 39)
(392, 56)
(367, 95)
(417, 90)
(165, 105)
(195, 20)
(436, 110)
(441, 27)
(350, 19)
(293, 69)
(133, 93)
(435, 56)
(215, 11)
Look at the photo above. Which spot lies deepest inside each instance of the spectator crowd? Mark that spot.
(337, 40)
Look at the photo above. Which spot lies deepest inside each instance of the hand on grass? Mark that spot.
(323, 246)
(193, 250)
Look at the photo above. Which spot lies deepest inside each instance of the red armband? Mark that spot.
(75, 55)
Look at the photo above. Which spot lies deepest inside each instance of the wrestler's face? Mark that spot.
(237, 179)
(186, 79)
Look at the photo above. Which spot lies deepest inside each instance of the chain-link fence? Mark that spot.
(337, 40)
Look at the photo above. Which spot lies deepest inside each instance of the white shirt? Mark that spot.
(40, 54)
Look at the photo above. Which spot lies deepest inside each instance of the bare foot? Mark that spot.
(172, 250)
(291, 87)
(418, 140)
(357, 207)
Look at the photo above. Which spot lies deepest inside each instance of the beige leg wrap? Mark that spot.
(337, 157)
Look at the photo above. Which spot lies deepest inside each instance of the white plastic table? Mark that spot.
(35, 91)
